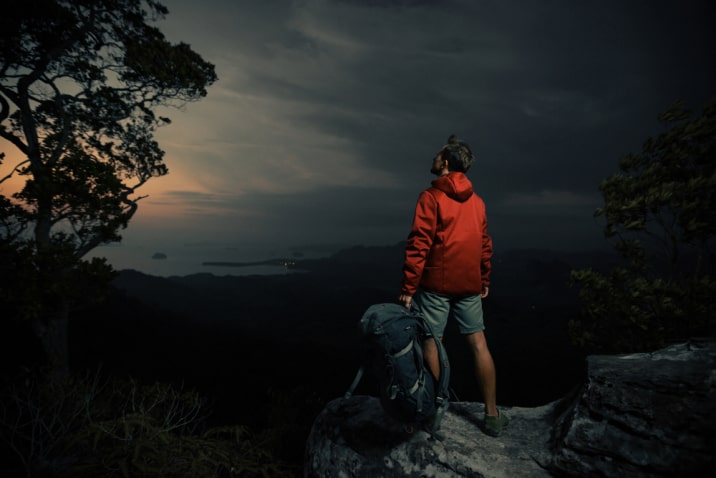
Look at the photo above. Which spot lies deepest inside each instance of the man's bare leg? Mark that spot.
(484, 370)
(431, 357)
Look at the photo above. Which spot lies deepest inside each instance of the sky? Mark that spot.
(321, 129)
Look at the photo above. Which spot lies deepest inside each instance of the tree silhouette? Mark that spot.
(80, 81)
(660, 211)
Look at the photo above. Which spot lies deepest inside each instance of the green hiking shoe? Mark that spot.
(495, 425)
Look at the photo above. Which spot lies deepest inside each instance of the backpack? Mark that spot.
(394, 353)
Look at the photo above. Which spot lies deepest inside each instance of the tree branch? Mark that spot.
(15, 170)
(4, 106)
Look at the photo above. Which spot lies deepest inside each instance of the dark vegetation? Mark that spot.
(79, 85)
(660, 215)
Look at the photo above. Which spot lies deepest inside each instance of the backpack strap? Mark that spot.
(356, 380)
(392, 392)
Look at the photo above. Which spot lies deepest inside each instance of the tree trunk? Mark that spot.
(51, 328)
(54, 338)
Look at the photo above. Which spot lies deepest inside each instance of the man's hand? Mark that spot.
(406, 300)
(485, 292)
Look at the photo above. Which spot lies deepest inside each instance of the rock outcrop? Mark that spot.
(640, 415)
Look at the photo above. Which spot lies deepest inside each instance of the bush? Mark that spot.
(89, 427)
(660, 211)
(626, 312)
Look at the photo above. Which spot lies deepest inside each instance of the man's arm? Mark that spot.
(420, 240)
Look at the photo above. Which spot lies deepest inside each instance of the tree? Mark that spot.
(80, 81)
(660, 211)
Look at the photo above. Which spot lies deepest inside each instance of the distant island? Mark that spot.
(159, 255)
(287, 263)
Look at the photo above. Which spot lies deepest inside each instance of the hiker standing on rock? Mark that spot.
(447, 266)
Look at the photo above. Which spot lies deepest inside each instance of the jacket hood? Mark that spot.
(455, 185)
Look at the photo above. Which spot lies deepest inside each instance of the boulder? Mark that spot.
(639, 415)
(642, 415)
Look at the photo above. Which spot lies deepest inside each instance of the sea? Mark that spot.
(188, 259)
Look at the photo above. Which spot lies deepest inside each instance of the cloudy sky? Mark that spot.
(327, 113)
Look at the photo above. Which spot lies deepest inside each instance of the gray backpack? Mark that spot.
(394, 354)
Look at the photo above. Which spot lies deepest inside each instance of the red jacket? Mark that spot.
(448, 249)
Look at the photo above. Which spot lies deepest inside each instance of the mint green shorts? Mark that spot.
(436, 308)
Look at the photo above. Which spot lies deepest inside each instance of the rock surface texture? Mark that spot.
(640, 415)
(643, 415)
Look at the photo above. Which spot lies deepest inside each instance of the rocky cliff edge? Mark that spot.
(640, 415)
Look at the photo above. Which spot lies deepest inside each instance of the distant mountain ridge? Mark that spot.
(526, 314)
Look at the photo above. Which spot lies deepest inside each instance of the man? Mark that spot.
(447, 263)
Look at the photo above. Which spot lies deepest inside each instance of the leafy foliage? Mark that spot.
(661, 212)
(625, 311)
(79, 84)
(667, 193)
(30, 286)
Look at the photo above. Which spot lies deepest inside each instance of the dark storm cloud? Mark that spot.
(346, 216)
(333, 110)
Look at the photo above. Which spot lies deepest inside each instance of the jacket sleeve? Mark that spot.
(419, 242)
(486, 259)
